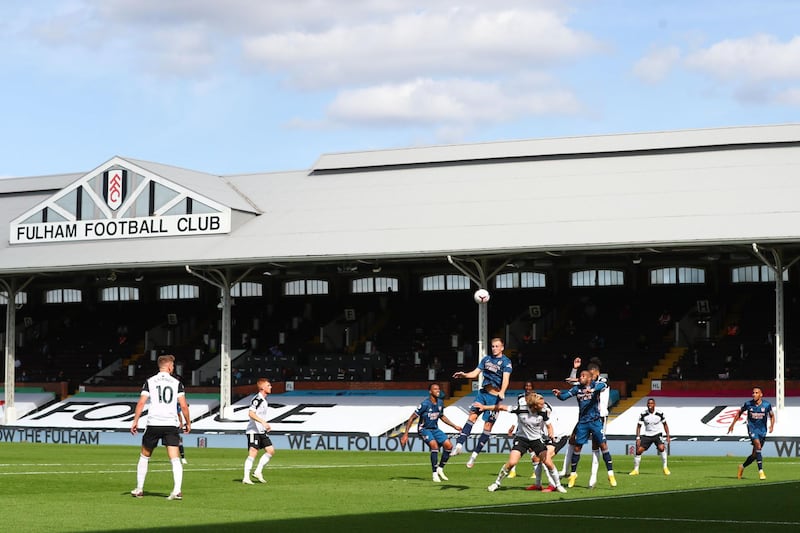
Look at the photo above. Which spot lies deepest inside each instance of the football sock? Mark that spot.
(502, 474)
(538, 472)
(608, 461)
(759, 460)
(664, 458)
(576, 457)
(637, 460)
(177, 474)
(445, 458)
(434, 459)
(141, 471)
(248, 466)
(482, 440)
(263, 462)
(568, 458)
(466, 429)
(595, 463)
(747, 461)
(552, 476)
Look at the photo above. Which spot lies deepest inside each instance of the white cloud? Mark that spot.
(249, 17)
(448, 65)
(657, 64)
(455, 42)
(455, 103)
(759, 69)
(760, 58)
(317, 44)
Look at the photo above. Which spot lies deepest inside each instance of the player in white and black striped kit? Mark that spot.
(527, 389)
(257, 438)
(534, 431)
(560, 439)
(654, 424)
(166, 395)
(554, 445)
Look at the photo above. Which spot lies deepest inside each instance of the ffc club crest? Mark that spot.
(720, 416)
(115, 187)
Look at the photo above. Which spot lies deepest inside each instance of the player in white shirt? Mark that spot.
(559, 441)
(533, 434)
(165, 393)
(527, 389)
(257, 429)
(554, 445)
(654, 424)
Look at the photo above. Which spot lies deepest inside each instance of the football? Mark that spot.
(481, 296)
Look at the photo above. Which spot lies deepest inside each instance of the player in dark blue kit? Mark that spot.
(496, 370)
(429, 412)
(590, 423)
(758, 410)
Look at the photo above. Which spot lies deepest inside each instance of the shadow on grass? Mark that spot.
(707, 510)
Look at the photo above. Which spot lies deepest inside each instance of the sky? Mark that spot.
(246, 86)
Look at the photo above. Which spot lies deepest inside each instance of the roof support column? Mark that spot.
(780, 371)
(222, 280)
(476, 271)
(11, 289)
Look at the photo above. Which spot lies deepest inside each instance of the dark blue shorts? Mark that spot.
(593, 429)
(433, 435)
(486, 399)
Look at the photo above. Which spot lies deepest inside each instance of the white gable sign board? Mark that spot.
(120, 200)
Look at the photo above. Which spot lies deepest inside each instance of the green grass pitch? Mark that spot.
(59, 488)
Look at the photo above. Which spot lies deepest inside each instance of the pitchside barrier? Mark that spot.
(372, 420)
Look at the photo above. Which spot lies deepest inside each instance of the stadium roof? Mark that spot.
(680, 189)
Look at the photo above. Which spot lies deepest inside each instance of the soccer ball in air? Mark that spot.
(481, 296)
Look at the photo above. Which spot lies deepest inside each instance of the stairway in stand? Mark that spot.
(659, 371)
(464, 390)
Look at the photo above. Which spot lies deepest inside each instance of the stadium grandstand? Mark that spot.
(670, 256)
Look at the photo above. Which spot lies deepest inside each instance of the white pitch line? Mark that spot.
(129, 467)
(633, 518)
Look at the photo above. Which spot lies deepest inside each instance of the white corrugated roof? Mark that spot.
(734, 185)
(209, 185)
(39, 183)
(561, 146)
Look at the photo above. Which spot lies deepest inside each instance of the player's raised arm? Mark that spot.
(572, 379)
(482, 407)
(469, 375)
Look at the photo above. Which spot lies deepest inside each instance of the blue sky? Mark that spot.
(251, 86)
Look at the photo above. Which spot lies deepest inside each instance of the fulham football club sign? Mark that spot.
(120, 200)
